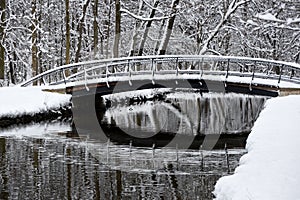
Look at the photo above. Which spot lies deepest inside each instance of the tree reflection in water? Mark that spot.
(53, 166)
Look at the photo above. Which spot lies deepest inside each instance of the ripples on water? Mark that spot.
(41, 162)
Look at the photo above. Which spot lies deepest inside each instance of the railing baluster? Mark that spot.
(130, 71)
(227, 70)
(244, 68)
(44, 80)
(215, 65)
(201, 68)
(153, 69)
(280, 74)
(85, 79)
(64, 76)
(292, 74)
(106, 74)
(268, 69)
(253, 73)
(177, 67)
(127, 68)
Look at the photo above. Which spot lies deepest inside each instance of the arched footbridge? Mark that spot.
(204, 73)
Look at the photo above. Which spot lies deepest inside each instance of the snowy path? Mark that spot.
(18, 101)
(271, 168)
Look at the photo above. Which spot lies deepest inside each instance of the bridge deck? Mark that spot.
(227, 71)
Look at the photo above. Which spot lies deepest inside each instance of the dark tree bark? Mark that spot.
(117, 29)
(34, 48)
(2, 27)
(80, 31)
(68, 34)
(147, 28)
(107, 24)
(95, 27)
(137, 25)
(160, 33)
(12, 67)
(168, 30)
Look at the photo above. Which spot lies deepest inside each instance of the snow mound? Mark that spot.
(18, 101)
(271, 168)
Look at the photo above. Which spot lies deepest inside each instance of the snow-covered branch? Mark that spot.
(272, 18)
(142, 18)
(152, 7)
(230, 10)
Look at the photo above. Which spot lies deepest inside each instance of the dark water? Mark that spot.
(41, 162)
(186, 113)
(187, 120)
(54, 160)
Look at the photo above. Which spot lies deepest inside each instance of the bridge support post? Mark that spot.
(227, 70)
(201, 68)
(177, 67)
(280, 74)
(64, 76)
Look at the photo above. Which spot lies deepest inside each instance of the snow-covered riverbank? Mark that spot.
(19, 101)
(271, 168)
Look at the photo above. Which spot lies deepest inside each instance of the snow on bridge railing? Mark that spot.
(172, 64)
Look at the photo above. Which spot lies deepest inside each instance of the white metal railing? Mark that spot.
(170, 64)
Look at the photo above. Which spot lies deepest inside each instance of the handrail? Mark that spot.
(231, 64)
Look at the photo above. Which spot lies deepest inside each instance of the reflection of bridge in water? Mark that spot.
(207, 73)
(186, 114)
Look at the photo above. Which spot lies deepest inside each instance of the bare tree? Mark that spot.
(2, 36)
(68, 32)
(117, 28)
(80, 30)
(169, 29)
(267, 30)
(107, 24)
(135, 31)
(233, 6)
(160, 34)
(147, 28)
(95, 26)
(34, 48)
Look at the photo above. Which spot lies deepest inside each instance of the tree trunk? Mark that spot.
(2, 49)
(227, 36)
(168, 30)
(132, 50)
(160, 34)
(34, 49)
(11, 68)
(117, 29)
(95, 26)
(147, 28)
(39, 41)
(107, 23)
(80, 31)
(68, 34)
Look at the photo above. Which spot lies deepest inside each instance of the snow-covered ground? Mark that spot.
(17, 101)
(271, 168)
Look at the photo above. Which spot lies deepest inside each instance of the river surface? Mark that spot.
(42, 161)
(52, 160)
